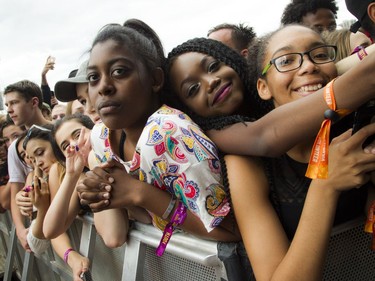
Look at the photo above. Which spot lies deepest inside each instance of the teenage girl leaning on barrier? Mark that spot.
(177, 165)
(37, 144)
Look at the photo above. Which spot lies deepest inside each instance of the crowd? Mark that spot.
(226, 138)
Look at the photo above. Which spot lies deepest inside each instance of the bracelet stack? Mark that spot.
(177, 219)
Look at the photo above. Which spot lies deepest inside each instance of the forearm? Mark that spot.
(75, 260)
(156, 201)
(37, 227)
(352, 60)
(44, 79)
(306, 255)
(60, 244)
(60, 213)
(17, 217)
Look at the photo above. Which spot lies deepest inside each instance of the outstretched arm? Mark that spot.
(289, 124)
(76, 261)
(352, 60)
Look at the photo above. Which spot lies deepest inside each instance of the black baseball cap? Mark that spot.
(357, 8)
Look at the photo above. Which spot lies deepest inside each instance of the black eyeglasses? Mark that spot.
(293, 61)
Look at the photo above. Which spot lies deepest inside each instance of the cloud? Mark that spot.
(30, 31)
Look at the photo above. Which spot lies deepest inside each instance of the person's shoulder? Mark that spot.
(99, 131)
(12, 146)
(166, 114)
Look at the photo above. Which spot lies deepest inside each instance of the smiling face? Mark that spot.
(120, 88)
(41, 154)
(288, 86)
(207, 86)
(68, 134)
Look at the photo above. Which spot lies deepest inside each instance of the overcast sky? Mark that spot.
(30, 30)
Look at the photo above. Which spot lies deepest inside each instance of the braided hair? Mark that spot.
(232, 59)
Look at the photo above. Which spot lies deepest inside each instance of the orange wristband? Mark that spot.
(318, 164)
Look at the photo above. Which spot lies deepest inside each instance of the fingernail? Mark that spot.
(111, 180)
(108, 187)
(106, 195)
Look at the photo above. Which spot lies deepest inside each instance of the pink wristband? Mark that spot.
(66, 254)
(177, 219)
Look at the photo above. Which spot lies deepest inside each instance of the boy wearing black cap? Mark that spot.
(364, 11)
(76, 88)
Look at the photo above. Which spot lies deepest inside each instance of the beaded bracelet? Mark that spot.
(169, 209)
(66, 254)
(177, 219)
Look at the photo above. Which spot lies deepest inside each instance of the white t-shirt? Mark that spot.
(17, 170)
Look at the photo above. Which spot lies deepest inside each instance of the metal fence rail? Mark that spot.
(186, 258)
(136, 260)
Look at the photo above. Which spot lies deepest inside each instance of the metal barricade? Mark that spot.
(349, 256)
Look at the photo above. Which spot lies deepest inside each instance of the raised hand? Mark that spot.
(50, 65)
(24, 202)
(349, 164)
(40, 196)
(107, 186)
(78, 154)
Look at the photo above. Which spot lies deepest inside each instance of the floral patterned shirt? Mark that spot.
(174, 154)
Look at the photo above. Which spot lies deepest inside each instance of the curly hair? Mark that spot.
(297, 9)
(230, 58)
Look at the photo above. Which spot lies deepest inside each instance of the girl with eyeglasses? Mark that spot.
(37, 147)
(292, 63)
